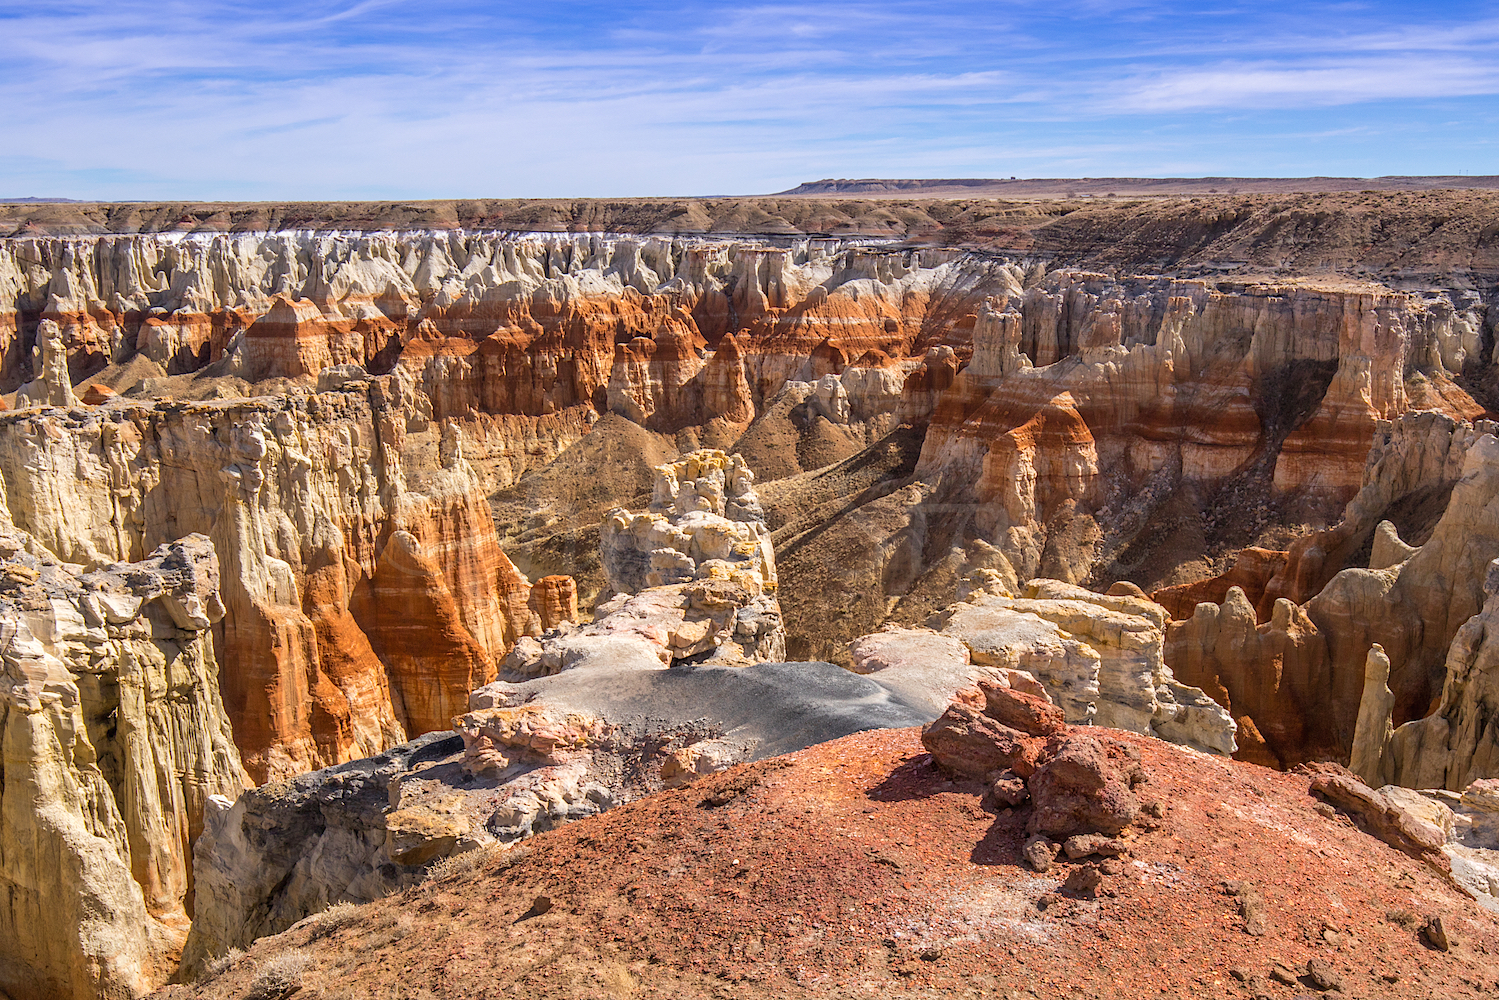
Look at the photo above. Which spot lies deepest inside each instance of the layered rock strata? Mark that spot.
(1090, 401)
(660, 329)
(365, 590)
(115, 737)
(1383, 665)
(1100, 657)
(674, 332)
(1068, 408)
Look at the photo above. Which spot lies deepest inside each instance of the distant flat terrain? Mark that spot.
(1125, 187)
(1409, 238)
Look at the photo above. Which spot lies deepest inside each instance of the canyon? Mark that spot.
(398, 546)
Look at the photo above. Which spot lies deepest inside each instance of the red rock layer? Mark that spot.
(1297, 670)
(294, 339)
(353, 714)
(554, 600)
(301, 495)
(1252, 570)
(856, 868)
(1281, 385)
(416, 629)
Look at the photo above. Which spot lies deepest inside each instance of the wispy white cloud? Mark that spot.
(403, 99)
(1269, 84)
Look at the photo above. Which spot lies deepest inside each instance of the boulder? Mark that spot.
(1019, 710)
(1382, 818)
(1085, 785)
(97, 393)
(965, 741)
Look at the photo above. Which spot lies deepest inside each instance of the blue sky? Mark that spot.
(394, 99)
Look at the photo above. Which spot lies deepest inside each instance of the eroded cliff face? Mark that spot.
(521, 335)
(692, 579)
(114, 738)
(491, 324)
(1063, 420)
(1091, 403)
(345, 418)
(675, 678)
(1384, 664)
(365, 594)
(1072, 425)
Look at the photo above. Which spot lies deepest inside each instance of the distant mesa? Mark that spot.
(1043, 187)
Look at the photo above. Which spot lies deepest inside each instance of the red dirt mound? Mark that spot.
(854, 868)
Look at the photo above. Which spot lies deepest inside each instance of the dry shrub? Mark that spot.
(218, 966)
(279, 976)
(335, 917)
(458, 864)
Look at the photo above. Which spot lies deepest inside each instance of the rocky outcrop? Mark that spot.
(1075, 787)
(1100, 657)
(1383, 816)
(1273, 677)
(526, 758)
(694, 578)
(554, 601)
(52, 385)
(705, 522)
(115, 737)
(1457, 743)
(1378, 667)
(1085, 786)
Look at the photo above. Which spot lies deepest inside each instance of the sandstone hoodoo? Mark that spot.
(115, 737)
(1078, 564)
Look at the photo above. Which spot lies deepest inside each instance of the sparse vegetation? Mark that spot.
(391, 926)
(218, 966)
(279, 976)
(334, 918)
(458, 864)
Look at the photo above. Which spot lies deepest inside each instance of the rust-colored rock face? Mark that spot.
(1251, 572)
(416, 628)
(1088, 394)
(554, 600)
(294, 339)
(1298, 668)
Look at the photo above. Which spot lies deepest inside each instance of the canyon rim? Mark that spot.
(926, 591)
